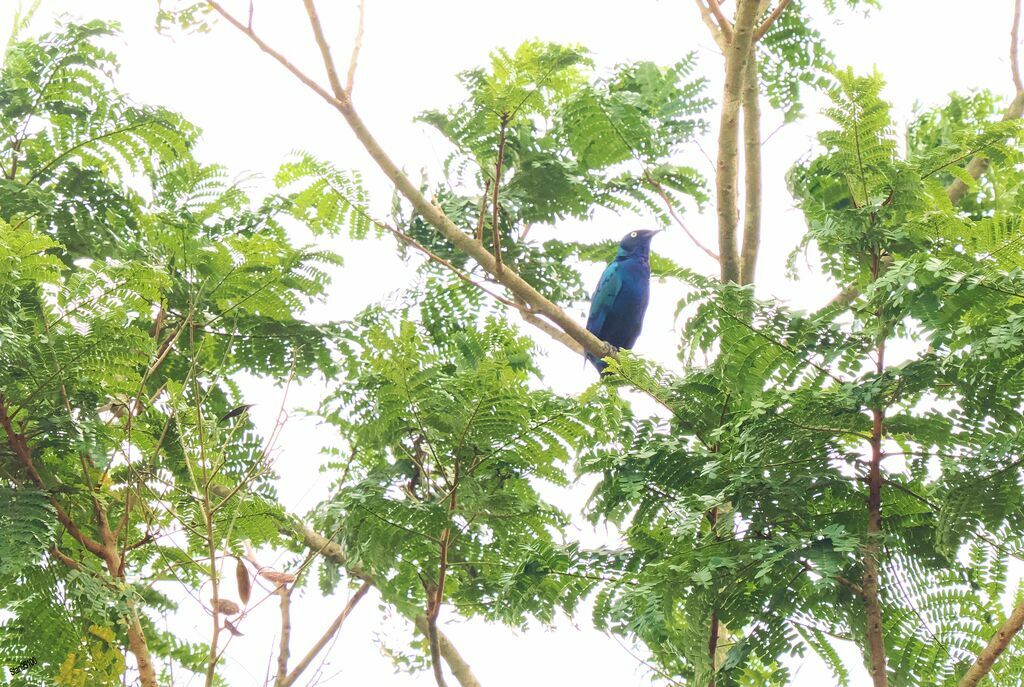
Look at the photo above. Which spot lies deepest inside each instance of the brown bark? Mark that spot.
(873, 549)
(751, 170)
(713, 647)
(724, 25)
(284, 646)
(979, 163)
(437, 597)
(736, 53)
(105, 549)
(140, 648)
(495, 231)
(996, 646)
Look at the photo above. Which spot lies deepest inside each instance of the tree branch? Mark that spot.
(436, 599)
(17, 444)
(713, 647)
(432, 214)
(66, 559)
(996, 646)
(716, 31)
(678, 220)
(327, 636)
(483, 211)
(551, 330)
(751, 170)
(767, 23)
(333, 552)
(724, 25)
(325, 50)
(979, 163)
(1014, 41)
(496, 233)
(356, 46)
(286, 633)
(736, 55)
(460, 669)
(873, 549)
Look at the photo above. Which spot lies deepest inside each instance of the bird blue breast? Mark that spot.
(620, 301)
(626, 315)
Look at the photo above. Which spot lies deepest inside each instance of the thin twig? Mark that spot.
(483, 211)
(724, 24)
(327, 636)
(437, 598)
(497, 186)
(750, 95)
(356, 45)
(1014, 41)
(767, 23)
(678, 220)
(325, 50)
(846, 582)
(709, 21)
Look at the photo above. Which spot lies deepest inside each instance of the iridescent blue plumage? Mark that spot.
(620, 300)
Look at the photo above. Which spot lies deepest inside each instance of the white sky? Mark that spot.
(253, 114)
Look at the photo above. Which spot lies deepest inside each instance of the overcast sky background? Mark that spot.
(253, 114)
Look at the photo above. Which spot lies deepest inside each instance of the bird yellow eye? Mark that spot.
(633, 234)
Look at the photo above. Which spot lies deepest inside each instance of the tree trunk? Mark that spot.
(751, 169)
(727, 172)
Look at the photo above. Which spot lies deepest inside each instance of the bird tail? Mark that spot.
(596, 362)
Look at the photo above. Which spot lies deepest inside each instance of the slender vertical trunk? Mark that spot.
(140, 648)
(751, 170)
(286, 633)
(727, 172)
(496, 232)
(713, 647)
(873, 550)
(136, 635)
(873, 607)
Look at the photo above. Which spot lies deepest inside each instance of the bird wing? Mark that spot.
(604, 298)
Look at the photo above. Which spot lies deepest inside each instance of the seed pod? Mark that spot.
(226, 606)
(278, 577)
(243, 580)
(231, 628)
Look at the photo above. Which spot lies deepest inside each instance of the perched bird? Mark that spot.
(235, 412)
(620, 301)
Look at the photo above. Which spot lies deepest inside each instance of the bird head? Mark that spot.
(637, 242)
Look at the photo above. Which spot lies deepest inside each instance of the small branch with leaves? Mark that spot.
(339, 98)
